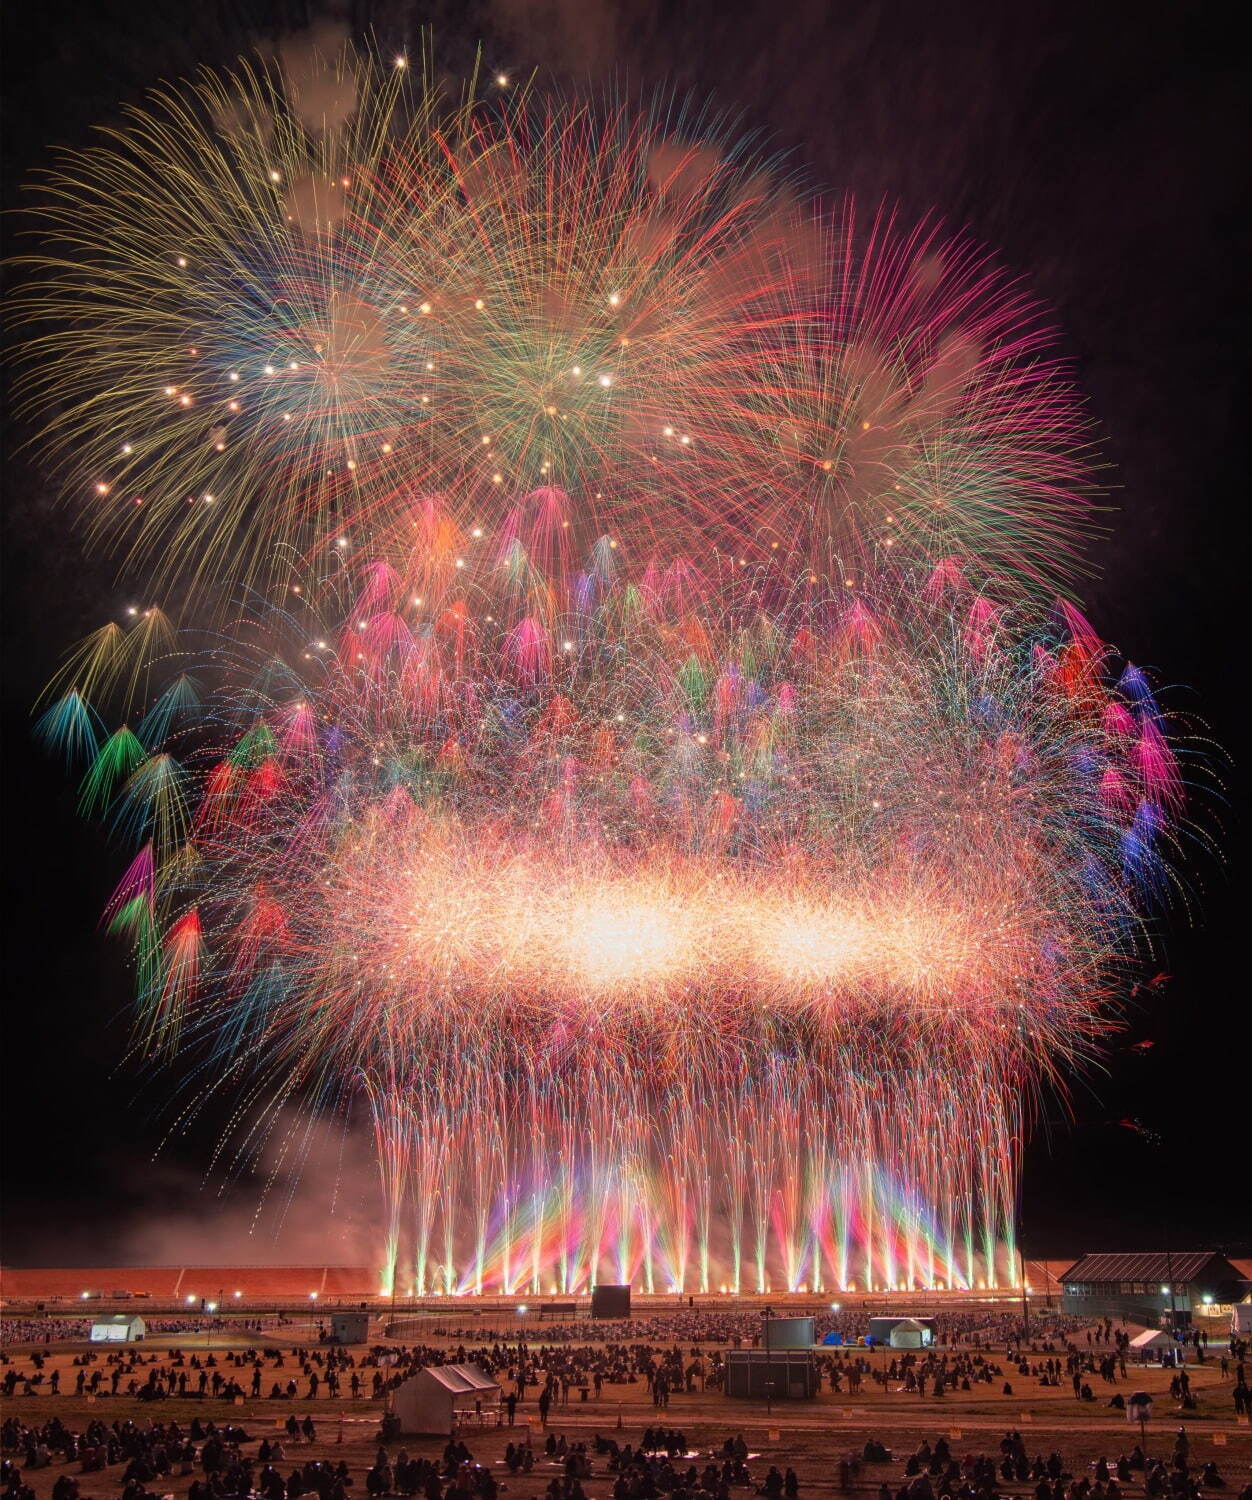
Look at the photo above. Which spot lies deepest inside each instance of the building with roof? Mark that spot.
(433, 1401)
(1155, 1288)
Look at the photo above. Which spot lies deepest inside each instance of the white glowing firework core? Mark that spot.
(812, 946)
(625, 944)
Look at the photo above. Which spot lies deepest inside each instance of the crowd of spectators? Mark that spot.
(660, 1465)
(222, 1462)
(554, 1373)
(982, 1328)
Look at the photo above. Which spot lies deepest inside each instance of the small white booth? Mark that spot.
(118, 1328)
(432, 1402)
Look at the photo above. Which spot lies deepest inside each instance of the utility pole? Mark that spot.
(1169, 1272)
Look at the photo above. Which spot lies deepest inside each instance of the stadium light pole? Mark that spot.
(1169, 1271)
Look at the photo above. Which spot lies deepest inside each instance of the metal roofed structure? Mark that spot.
(1144, 1265)
(1150, 1287)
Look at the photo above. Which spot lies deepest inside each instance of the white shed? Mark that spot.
(432, 1401)
(118, 1328)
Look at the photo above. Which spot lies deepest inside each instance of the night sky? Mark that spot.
(1101, 150)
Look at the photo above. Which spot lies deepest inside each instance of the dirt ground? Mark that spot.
(810, 1436)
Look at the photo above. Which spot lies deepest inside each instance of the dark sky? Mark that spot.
(1102, 150)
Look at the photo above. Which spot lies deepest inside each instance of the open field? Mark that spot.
(810, 1436)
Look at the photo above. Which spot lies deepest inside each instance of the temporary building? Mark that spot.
(900, 1333)
(431, 1402)
(119, 1328)
(784, 1374)
(788, 1333)
(349, 1328)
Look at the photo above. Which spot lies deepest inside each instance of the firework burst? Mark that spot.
(272, 308)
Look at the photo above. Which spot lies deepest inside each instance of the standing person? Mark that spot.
(545, 1401)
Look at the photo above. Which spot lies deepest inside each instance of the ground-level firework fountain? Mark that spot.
(790, 1181)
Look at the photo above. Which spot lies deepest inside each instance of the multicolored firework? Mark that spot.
(647, 769)
(276, 305)
(710, 931)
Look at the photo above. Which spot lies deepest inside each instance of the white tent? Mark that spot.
(900, 1333)
(1156, 1343)
(431, 1401)
(119, 1328)
(1152, 1339)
